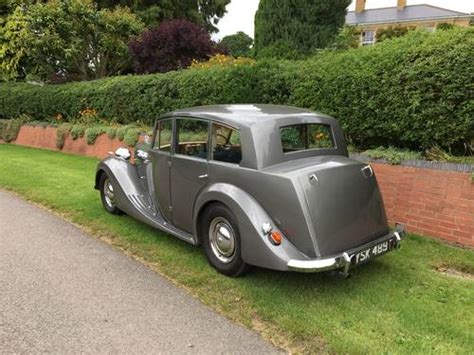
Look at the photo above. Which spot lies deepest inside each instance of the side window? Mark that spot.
(226, 144)
(163, 135)
(192, 137)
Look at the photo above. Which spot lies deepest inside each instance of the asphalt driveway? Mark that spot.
(64, 291)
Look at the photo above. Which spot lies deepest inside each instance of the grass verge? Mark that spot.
(397, 304)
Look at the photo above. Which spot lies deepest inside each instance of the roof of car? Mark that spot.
(245, 114)
(393, 14)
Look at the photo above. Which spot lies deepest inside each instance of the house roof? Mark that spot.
(409, 13)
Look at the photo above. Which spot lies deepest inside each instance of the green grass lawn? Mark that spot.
(397, 304)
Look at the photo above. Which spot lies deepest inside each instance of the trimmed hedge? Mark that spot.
(413, 92)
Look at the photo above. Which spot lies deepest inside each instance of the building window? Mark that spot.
(367, 38)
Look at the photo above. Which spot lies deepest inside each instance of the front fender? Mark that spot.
(125, 179)
(256, 247)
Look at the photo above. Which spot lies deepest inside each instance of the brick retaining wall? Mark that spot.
(429, 202)
(45, 137)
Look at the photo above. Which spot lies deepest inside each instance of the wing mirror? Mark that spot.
(123, 153)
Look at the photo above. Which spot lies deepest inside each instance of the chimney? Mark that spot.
(360, 6)
(401, 4)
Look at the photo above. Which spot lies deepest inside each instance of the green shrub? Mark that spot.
(111, 132)
(42, 124)
(93, 132)
(9, 129)
(410, 92)
(120, 132)
(393, 155)
(3, 124)
(61, 133)
(77, 131)
(131, 136)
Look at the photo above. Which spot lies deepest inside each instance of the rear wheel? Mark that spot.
(107, 195)
(221, 240)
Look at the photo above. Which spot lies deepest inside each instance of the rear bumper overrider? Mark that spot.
(343, 261)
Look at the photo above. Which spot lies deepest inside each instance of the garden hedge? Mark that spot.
(413, 92)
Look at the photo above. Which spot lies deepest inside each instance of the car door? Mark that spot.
(160, 155)
(189, 168)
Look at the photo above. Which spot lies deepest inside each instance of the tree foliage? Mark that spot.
(13, 31)
(68, 40)
(348, 37)
(172, 45)
(393, 32)
(152, 12)
(297, 25)
(238, 45)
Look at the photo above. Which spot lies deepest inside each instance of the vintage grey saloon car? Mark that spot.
(264, 185)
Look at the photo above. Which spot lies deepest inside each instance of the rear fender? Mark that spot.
(256, 247)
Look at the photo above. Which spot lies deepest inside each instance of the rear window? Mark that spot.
(306, 136)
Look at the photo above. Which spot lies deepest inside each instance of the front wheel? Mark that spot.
(221, 240)
(107, 195)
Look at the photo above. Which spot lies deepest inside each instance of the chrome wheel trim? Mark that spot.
(109, 196)
(222, 239)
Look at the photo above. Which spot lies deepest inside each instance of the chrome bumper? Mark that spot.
(342, 261)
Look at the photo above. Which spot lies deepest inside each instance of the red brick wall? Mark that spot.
(429, 202)
(46, 138)
(37, 137)
(101, 148)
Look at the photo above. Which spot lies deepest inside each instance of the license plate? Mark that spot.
(372, 252)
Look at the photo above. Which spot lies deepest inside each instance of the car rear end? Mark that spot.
(338, 197)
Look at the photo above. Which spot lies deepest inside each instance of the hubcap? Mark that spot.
(222, 239)
(109, 193)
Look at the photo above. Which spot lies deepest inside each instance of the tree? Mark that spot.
(302, 25)
(12, 49)
(170, 46)
(153, 12)
(238, 45)
(348, 37)
(72, 40)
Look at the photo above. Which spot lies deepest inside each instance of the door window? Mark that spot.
(164, 135)
(226, 144)
(192, 137)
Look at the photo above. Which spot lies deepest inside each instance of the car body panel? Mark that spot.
(322, 202)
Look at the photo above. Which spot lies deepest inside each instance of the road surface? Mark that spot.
(61, 291)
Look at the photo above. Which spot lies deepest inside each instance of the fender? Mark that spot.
(133, 199)
(256, 247)
(124, 178)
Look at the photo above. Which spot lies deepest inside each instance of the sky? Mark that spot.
(240, 13)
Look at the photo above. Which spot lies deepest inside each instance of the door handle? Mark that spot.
(203, 176)
(313, 177)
